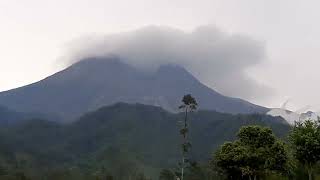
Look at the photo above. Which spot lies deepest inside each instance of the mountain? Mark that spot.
(123, 136)
(7, 116)
(96, 82)
(10, 117)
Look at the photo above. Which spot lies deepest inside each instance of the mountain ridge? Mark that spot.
(96, 82)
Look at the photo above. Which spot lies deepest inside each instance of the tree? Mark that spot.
(166, 174)
(189, 104)
(196, 172)
(305, 140)
(254, 153)
(3, 171)
(109, 177)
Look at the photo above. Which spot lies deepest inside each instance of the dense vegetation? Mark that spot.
(256, 153)
(122, 141)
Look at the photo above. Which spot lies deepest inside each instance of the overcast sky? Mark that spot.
(36, 34)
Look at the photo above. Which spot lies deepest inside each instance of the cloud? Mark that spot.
(216, 58)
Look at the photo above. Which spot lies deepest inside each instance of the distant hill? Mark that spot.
(147, 137)
(149, 130)
(10, 117)
(6, 115)
(95, 82)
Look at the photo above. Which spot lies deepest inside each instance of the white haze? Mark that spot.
(218, 59)
(299, 115)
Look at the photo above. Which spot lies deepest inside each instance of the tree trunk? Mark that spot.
(310, 171)
(182, 168)
(310, 174)
(184, 142)
(185, 123)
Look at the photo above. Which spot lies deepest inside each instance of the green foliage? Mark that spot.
(256, 152)
(189, 103)
(305, 140)
(167, 174)
(3, 170)
(199, 172)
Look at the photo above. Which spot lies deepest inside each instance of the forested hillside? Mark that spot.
(121, 140)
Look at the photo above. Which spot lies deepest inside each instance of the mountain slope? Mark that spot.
(7, 116)
(96, 82)
(10, 117)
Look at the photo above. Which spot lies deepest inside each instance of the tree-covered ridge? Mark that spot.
(111, 139)
(10, 117)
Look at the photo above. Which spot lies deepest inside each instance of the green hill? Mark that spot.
(120, 136)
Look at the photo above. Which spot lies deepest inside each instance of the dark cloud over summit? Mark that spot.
(217, 58)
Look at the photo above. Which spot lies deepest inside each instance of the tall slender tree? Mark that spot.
(189, 104)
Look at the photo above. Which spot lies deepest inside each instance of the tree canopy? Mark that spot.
(305, 140)
(255, 152)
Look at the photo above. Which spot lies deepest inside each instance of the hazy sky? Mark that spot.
(36, 34)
